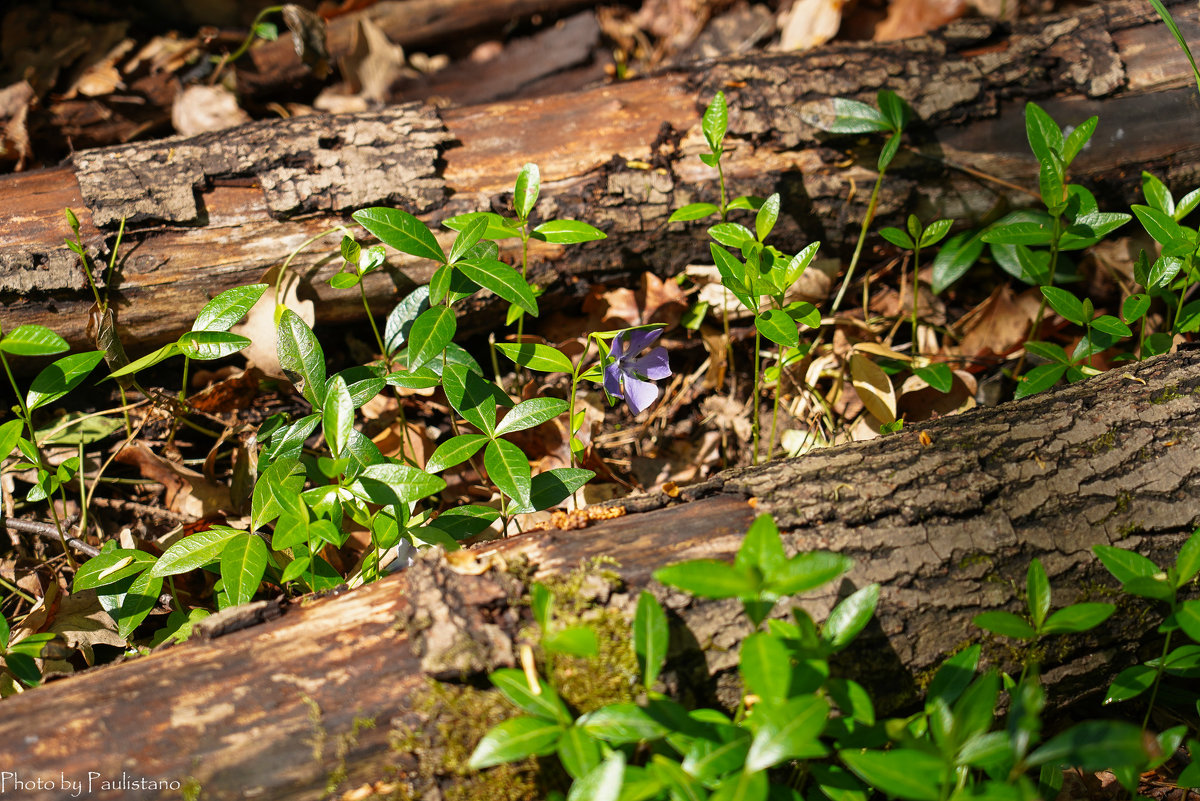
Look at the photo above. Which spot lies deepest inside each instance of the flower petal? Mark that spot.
(640, 340)
(616, 351)
(639, 394)
(654, 365)
(612, 380)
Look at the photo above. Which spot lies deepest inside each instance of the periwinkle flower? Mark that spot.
(631, 377)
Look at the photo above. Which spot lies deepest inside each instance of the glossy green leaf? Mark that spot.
(431, 333)
(1124, 565)
(732, 235)
(530, 413)
(514, 739)
(57, 380)
(223, 311)
(1187, 204)
(1077, 138)
(837, 783)
(467, 238)
(841, 115)
(708, 578)
(536, 356)
(898, 238)
(850, 616)
(1134, 307)
(693, 211)
(1045, 137)
(955, 258)
(502, 280)
(602, 783)
(544, 704)
(277, 489)
(508, 468)
(1039, 378)
(402, 231)
(337, 416)
(1110, 325)
(650, 637)
(138, 601)
(578, 751)
(150, 359)
(472, 396)
(455, 450)
(551, 488)
(32, 340)
(763, 663)
(709, 759)
(194, 551)
(1188, 618)
(402, 316)
(421, 378)
(498, 227)
(1187, 563)
(809, 570)
(109, 567)
(901, 772)
(525, 195)
(762, 549)
(1066, 304)
(765, 219)
(939, 376)
(893, 108)
(1094, 745)
(732, 273)
(400, 484)
(1019, 233)
(715, 122)
(935, 232)
(1037, 592)
(300, 355)
(243, 563)
(567, 232)
(622, 723)
(208, 345)
(10, 433)
(1005, 624)
(1161, 226)
(888, 152)
(777, 326)
(1130, 683)
(791, 734)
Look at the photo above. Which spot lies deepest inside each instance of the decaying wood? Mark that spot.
(948, 529)
(621, 157)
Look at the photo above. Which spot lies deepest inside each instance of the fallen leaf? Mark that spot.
(259, 323)
(874, 387)
(997, 326)
(187, 491)
(909, 18)
(198, 109)
(809, 23)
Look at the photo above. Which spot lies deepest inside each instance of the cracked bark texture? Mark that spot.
(620, 157)
(947, 529)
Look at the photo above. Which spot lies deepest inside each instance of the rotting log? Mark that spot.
(246, 212)
(947, 528)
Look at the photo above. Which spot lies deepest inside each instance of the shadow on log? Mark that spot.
(218, 211)
(278, 710)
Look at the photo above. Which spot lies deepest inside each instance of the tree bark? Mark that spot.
(947, 528)
(219, 210)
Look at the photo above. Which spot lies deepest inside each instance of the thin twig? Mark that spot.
(47, 532)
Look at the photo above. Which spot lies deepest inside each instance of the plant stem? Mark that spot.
(868, 218)
(374, 328)
(757, 365)
(1037, 320)
(916, 347)
(1158, 674)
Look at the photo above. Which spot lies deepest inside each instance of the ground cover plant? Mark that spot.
(312, 502)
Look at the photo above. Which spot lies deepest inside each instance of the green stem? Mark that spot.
(725, 290)
(916, 347)
(757, 365)
(868, 218)
(1187, 277)
(374, 328)
(288, 261)
(250, 37)
(1037, 320)
(775, 410)
(1158, 674)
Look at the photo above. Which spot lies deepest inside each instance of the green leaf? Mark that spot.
(622, 723)
(1066, 304)
(1186, 204)
(515, 739)
(939, 376)
(277, 489)
(530, 413)
(402, 316)
(893, 108)
(1160, 225)
(762, 549)
(552, 487)
(578, 751)
(1077, 138)
(693, 211)
(223, 311)
(338, 415)
(898, 238)
(715, 122)
(421, 378)
(1019, 233)
(799, 263)
(791, 734)
(1157, 194)
(1037, 591)
(1154, 587)
(1048, 351)
(467, 238)
(1045, 137)
(109, 567)
(544, 704)
(767, 216)
(1005, 624)
(194, 551)
(708, 578)
(33, 340)
(973, 714)
(1188, 617)
(399, 484)
(300, 355)
(567, 232)
(901, 772)
(732, 235)
(935, 232)
(809, 570)
(1134, 307)
(1107, 324)
(1124, 565)
(954, 676)
(955, 258)
(732, 272)
(1130, 683)
(209, 345)
(777, 326)
(150, 359)
(840, 115)
(431, 333)
(650, 637)
(888, 152)
(243, 563)
(850, 617)
(502, 280)
(1050, 184)
(836, 783)
(472, 396)
(575, 641)
(535, 356)
(498, 227)
(10, 433)
(1039, 378)
(764, 667)
(138, 601)
(1094, 745)
(508, 468)
(1187, 563)
(1182, 661)
(525, 195)
(455, 450)
(709, 759)
(402, 231)
(602, 783)
(57, 380)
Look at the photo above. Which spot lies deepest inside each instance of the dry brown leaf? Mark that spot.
(259, 323)
(918, 401)
(874, 387)
(198, 109)
(809, 23)
(997, 326)
(413, 442)
(908, 18)
(15, 101)
(187, 491)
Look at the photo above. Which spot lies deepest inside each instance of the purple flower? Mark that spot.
(631, 377)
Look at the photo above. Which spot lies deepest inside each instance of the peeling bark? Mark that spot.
(620, 157)
(947, 528)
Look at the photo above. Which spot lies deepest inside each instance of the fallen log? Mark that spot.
(220, 210)
(334, 697)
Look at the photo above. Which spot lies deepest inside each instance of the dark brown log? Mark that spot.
(948, 529)
(968, 83)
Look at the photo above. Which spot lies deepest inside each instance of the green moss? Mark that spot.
(1105, 442)
(190, 791)
(973, 559)
(1169, 393)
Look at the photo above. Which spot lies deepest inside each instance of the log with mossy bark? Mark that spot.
(380, 687)
(219, 210)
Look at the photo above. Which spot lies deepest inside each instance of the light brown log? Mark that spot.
(947, 528)
(967, 82)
